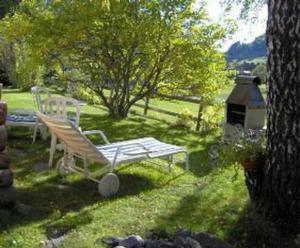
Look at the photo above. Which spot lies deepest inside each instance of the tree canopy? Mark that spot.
(121, 50)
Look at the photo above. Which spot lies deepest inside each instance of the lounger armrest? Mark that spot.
(102, 135)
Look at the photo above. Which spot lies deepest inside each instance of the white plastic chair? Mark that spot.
(39, 94)
(28, 118)
(77, 145)
(60, 107)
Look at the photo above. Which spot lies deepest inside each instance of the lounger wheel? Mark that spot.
(61, 168)
(109, 185)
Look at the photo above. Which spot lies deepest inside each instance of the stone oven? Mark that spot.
(245, 106)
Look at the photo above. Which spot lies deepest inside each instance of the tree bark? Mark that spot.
(280, 198)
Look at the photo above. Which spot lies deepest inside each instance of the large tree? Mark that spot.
(279, 196)
(122, 50)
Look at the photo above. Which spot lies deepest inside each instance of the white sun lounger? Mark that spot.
(76, 144)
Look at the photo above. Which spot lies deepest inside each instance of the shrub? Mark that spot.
(184, 119)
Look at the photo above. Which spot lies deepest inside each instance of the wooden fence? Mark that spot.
(190, 99)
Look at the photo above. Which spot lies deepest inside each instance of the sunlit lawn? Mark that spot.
(207, 198)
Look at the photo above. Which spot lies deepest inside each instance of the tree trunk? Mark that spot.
(280, 196)
(118, 112)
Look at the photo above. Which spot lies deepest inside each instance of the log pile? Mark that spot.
(7, 192)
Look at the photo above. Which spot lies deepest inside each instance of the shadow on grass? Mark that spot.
(137, 127)
(253, 231)
(56, 196)
(243, 228)
(48, 195)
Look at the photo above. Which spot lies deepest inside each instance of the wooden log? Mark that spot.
(162, 111)
(6, 178)
(3, 138)
(192, 99)
(158, 110)
(4, 161)
(3, 112)
(7, 197)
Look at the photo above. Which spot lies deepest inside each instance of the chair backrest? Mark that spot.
(37, 94)
(60, 108)
(72, 137)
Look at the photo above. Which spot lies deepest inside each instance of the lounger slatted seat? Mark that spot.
(76, 144)
(131, 152)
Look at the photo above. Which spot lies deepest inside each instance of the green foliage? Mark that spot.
(184, 119)
(86, 95)
(260, 71)
(7, 7)
(244, 145)
(133, 48)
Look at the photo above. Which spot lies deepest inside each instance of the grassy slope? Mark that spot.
(208, 198)
(258, 60)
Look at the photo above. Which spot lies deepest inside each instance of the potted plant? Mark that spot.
(247, 148)
(250, 148)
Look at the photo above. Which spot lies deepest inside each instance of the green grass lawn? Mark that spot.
(208, 198)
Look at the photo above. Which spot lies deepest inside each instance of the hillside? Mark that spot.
(247, 51)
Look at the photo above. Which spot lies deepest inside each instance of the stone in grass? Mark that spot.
(179, 241)
(132, 241)
(154, 243)
(157, 234)
(53, 243)
(207, 240)
(40, 166)
(182, 233)
(151, 243)
(55, 232)
(192, 243)
(110, 241)
(19, 152)
(166, 244)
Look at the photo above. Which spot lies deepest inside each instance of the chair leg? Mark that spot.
(36, 126)
(170, 162)
(44, 132)
(34, 134)
(52, 149)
